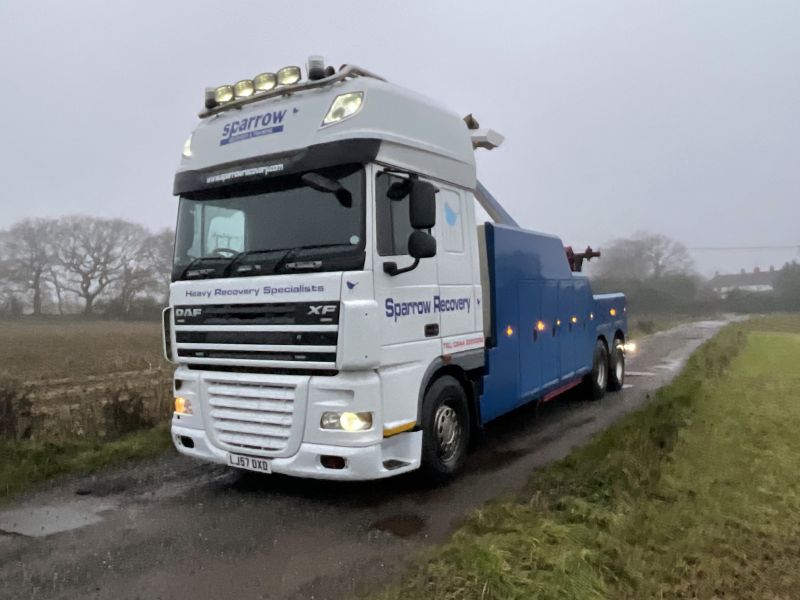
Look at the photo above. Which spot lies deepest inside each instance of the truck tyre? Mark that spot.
(445, 430)
(616, 367)
(598, 378)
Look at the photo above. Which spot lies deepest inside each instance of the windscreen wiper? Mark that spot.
(195, 261)
(292, 252)
(238, 257)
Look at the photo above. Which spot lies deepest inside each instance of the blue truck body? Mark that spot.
(545, 321)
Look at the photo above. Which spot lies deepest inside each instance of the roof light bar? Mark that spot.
(286, 81)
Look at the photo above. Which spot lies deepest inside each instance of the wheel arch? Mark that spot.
(466, 372)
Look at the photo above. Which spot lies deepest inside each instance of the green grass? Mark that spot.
(695, 496)
(24, 464)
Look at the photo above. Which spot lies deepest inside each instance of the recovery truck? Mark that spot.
(335, 311)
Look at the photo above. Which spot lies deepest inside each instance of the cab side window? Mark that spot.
(391, 218)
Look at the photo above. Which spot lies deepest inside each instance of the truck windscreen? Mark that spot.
(285, 224)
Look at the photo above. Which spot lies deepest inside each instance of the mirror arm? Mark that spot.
(390, 268)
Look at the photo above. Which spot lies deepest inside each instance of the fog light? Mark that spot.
(264, 82)
(288, 75)
(348, 421)
(332, 462)
(183, 406)
(629, 347)
(343, 107)
(243, 88)
(187, 148)
(223, 93)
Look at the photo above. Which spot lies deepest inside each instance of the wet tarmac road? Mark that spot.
(173, 528)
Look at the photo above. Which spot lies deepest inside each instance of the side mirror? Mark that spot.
(422, 206)
(421, 244)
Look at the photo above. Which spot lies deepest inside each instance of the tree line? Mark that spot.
(83, 265)
(658, 275)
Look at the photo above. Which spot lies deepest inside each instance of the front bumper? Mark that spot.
(392, 456)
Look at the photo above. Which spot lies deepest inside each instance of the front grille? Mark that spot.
(274, 313)
(299, 335)
(300, 338)
(248, 417)
(265, 370)
(250, 355)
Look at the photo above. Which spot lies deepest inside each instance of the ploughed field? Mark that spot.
(70, 389)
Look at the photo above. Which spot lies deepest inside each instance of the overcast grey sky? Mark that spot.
(680, 117)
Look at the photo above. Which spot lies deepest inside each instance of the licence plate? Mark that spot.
(251, 463)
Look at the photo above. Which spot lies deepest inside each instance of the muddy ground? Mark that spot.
(173, 528)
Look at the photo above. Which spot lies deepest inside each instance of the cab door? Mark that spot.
(458, 298)
(406, 302)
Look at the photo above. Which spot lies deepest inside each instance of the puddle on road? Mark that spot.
(403, 525)
(42, 521)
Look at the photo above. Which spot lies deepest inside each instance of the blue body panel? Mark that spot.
(531, 281)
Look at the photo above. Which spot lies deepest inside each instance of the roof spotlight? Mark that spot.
(288, 75)
(243, 88)
(223, 93)
(264, 82)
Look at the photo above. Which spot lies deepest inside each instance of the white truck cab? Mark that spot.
(329, 309)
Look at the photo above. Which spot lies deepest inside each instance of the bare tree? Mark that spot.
(159, 259)
(644, 256)
(94, 253)
(27, 257)
(135, 274)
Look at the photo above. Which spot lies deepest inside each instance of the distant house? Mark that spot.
(746, 281)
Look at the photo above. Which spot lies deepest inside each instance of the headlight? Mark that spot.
(629, 347)
(183, 406)
(343, 107)
(347, 421)
(288, 75)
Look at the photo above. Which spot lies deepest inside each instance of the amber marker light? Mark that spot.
(182, 406)
(509, 331)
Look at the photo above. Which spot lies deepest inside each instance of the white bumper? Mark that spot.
(366, 454)
(400, 452)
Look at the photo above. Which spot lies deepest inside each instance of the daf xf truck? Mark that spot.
(335, 310)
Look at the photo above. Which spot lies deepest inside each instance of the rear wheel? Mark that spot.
(616, 367)
(445, 430)
(598, 378)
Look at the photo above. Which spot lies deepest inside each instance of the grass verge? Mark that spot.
(695, 496)
(23, 464)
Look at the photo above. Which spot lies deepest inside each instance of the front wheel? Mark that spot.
(445, 430)
(598, 378)
(616, 367)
